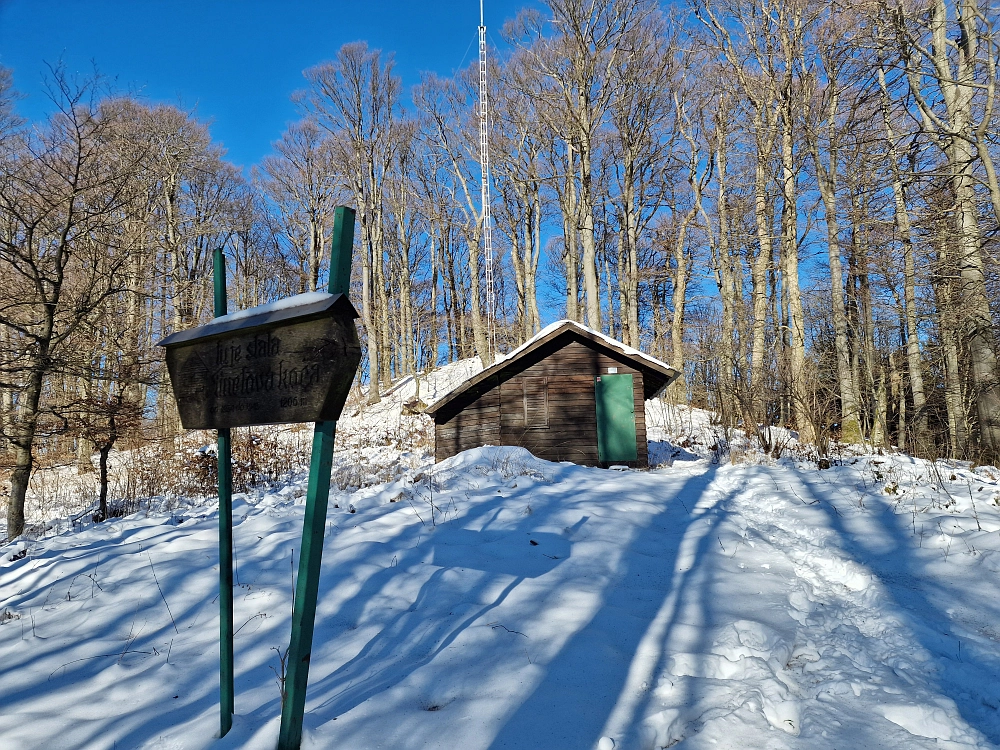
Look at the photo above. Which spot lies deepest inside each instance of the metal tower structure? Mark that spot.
(484, 161)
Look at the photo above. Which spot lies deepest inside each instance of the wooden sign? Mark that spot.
(290, 361)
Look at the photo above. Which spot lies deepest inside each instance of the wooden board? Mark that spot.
(294, 371)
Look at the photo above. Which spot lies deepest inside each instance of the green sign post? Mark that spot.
(227, 704)
(317, 497)
(292, 362)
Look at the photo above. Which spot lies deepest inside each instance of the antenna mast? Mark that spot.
(484, 161)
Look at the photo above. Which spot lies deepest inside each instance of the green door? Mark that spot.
(615, 418)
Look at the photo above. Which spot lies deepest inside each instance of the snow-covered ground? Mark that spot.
(499, 601)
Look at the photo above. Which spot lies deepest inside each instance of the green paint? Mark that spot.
(341, 250)
(219, 277)
(226, 689)
(615, 418)
(225, 463)
(307, 587)
(314, 525)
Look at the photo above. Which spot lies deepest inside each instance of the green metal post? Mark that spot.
(314, 525)
(226, 689)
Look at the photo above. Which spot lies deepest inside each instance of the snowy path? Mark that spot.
(807, 638)
(547, 606)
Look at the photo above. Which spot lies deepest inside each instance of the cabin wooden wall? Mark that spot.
(548, 408)
(477, 424)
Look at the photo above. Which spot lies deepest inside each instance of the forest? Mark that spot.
(793, 202)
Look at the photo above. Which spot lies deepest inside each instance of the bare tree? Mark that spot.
(642, 142)
(520, 136)
(577, 64)
(61, 186)
(356, 98)
(301, 179)
(835, 106)
(952, 83)
(446, 106)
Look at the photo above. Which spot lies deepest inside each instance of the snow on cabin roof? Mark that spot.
(546, 334)
(605, 339)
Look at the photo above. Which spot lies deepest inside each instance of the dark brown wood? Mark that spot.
(576, 351)
(543, 400)
(290, 369)
(477, 425)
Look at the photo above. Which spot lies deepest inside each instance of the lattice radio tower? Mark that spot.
(484, 161)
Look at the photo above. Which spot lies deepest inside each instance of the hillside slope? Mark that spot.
(499, 601)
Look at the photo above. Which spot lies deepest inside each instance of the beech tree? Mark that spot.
(949, 53)
(356, 98)
(577, 63)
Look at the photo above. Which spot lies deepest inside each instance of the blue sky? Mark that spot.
(236, 61)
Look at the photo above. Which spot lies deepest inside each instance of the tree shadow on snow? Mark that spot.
(596, 661)
(503, 558)
(64, 590)
(961, 663)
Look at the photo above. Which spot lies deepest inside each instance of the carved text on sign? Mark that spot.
(292, 371)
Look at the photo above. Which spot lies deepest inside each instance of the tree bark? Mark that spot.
(923, 445)
(953, 69)
(826, 177)
(760, 264)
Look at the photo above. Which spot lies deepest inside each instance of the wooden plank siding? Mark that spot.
(548, 408)
(477, 424)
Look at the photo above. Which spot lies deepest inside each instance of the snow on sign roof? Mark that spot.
(299, 300)
(299, 307)
(548, 333)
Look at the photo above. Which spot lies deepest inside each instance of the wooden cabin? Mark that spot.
(568, 394)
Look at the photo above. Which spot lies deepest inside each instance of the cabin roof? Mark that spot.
(656, 374)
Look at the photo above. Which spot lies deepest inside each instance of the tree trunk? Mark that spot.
(679, 386)
(531, 265)
(760, 266)
(790, 277)
(880, 435)
(7, 417)
(977, 323)
(922, 443)
(850, 419)
(953, 63)
(24, 438)
(368, 312)
(102, 499)
(725, 276)
(585, 212)
(948, 316)
(570, 234)
(628, 275)
(898, 395)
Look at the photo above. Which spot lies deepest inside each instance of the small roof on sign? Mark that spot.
(658, 374)
(298, 308)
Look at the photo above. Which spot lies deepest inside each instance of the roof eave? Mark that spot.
(645, 363)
